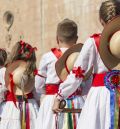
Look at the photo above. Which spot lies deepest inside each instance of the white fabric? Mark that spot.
(86, 85)
(47, 69)
(96, 112)
(46, 118)
(2, 84)
(10, 115)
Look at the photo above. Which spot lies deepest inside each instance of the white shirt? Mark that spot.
(47, 69)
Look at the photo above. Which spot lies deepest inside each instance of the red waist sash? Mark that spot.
(52, 89)
(25, 113)
(98, 80)
(9, 96)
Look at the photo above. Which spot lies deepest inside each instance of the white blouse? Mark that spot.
(47, 69)
(87, 58)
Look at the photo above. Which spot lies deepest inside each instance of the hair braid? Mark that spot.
(109, 9)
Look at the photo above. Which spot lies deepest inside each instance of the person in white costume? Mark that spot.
(96, 111)
(19, 109)
(3, 57)
(47, 83)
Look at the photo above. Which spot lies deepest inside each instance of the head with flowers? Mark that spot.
(24, 51)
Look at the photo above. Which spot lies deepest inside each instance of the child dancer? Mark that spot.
(12, 116)
(96, 111)
(48, 82)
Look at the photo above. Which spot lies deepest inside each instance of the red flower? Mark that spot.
(78, 72)
(115, 80)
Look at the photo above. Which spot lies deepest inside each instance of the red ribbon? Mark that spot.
(97, 40)
(23, 45)
(31, 50)
(12, 89)
(78, 72)
(27, 116)
(74, 118)
(36, 73)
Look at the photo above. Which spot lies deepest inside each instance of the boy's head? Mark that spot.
(3, 57)
(67, 31)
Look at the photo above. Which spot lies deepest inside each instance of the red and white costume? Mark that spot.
(49, 86)
(96, 111)
(10, 114)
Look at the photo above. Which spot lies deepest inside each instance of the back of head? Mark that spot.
(109, 10)
(24, 51)
(67, 31)
(3, 57)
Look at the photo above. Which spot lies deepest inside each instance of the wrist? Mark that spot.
(59, 97)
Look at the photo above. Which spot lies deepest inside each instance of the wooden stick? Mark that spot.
(68, 110)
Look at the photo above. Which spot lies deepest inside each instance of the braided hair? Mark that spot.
(109, 9)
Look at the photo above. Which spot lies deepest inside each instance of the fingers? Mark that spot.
(57, 110)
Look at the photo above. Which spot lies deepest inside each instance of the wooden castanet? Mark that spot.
(68, 110)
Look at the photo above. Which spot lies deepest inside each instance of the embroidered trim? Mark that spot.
(78, 72)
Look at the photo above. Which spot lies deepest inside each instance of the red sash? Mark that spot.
(98, 79)
(52, 89)
(57, 52)
(97, 40)
(26, 115)
(9, 96)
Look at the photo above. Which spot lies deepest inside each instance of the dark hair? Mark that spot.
(3, 57)
(24, 51)
(67, 30)
(109, 9)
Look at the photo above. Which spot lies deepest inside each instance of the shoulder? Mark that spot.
(48, 56)
(91, 40)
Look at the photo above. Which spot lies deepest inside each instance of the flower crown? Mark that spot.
(26, 45)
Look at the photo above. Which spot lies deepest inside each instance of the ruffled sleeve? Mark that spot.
(82, 65)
